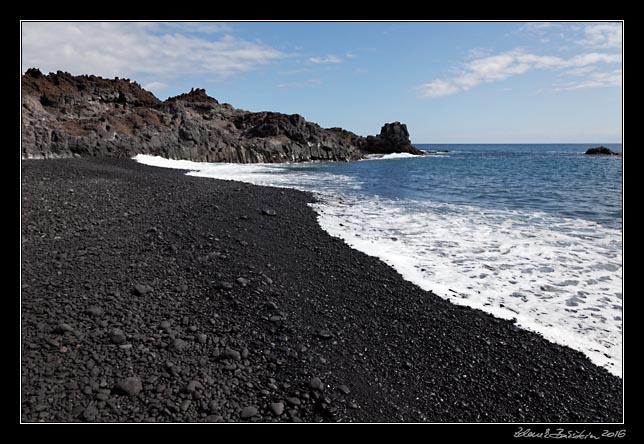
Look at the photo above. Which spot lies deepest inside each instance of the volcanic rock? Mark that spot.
(129, 386)
(248, 412)
(601, 150)
(393, 138)
(72, 116)
(277, 408)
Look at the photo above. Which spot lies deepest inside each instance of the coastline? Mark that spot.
(280, 303)
(490, 261)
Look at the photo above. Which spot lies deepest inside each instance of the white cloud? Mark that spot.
(157, 50)
(596, 80)
(538, 26)
(593, 58)
(155, 86)
(597, 35)
(327, 59)
(477, 53)
(543, 32)
(502, 66)
(439, 88)
(602, 35)
(581, 71)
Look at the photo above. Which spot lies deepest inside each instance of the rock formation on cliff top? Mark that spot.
(65, 115)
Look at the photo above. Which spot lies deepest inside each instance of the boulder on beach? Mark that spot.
(601, 150)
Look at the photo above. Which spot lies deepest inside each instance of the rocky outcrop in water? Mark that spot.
(601, 150)
(391, 135)
(65, 116)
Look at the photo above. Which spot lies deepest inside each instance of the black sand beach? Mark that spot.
(151, 296)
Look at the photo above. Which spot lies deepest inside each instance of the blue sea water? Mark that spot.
(531, 232)
(553, 178)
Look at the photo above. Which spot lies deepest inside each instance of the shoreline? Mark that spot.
(247, 309)
(347, 223)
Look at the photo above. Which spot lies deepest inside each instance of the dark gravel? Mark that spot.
(148, 295)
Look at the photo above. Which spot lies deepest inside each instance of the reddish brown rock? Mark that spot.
(86, 116)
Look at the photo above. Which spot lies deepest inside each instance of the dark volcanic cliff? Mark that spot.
(65, 115)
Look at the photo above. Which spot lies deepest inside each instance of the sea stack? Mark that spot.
(393, 138)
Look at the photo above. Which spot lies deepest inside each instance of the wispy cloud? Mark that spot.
(327, 59)
(602, 35)
(538, 26)
(186, 27)
(505, 65)
(155, 86)
(544, 32)
(477, 53)
(581, 71)
(596, 80)
(294, 71)
(591, 59)
(160, 51)
(596, 35)
(300, 84)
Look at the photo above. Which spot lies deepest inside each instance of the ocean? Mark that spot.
(523, 231)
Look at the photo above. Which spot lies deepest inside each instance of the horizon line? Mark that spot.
(516, 143)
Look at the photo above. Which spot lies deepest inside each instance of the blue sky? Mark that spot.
(450, 82)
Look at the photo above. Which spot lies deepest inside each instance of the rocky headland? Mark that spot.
(79, 116)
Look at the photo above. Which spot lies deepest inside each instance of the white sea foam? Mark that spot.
(267, 174)
(390, 156)
(403, 156)
(557, 276)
